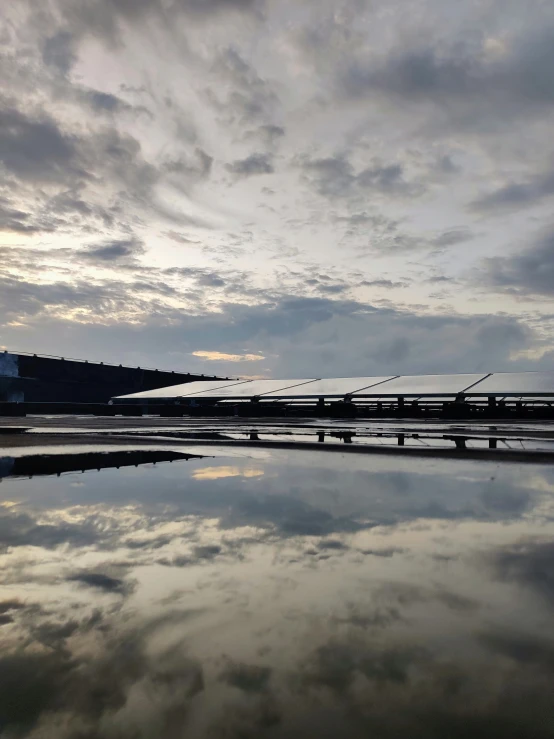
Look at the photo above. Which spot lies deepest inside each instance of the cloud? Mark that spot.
(248, 678)
(59, 51)
(374, 128)
(516, 195)
(218, 356)
(105, 101)
(61, 688)
(20, 529)
(344, 336)
(452, 237)
(180, 238)
(35, 149)
(115, 250)
(521, 648)
(519, 81)
(241, 96)
(530, 272)
(529, 563)
(18, 221)
(100, 581)
(221, 472)
(255, 164)
(335, 176)
(108, 18)
(193, 167)
(67, 179)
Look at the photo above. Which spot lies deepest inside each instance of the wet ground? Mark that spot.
(165, 587)
(516, 441)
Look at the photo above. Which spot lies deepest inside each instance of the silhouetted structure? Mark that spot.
(41, 378)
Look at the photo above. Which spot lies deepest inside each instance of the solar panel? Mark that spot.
(334, 387)
(252, 388)
(414, 385)
(510, 384)
(178, 391)
(202, 387)
(516, 383)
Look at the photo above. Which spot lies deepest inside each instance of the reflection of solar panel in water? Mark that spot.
(414, 385)
(178, 391)
(516, 383)
(255, 388)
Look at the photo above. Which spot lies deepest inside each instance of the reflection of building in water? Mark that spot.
(56, 464)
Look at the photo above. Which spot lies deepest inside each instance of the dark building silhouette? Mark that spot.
(37, 378)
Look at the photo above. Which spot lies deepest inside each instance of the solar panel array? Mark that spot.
(499, 384)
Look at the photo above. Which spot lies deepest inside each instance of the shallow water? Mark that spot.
(277, 594)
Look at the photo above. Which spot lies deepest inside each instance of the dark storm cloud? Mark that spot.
(255, 164)
(516, 195)
(530, 272)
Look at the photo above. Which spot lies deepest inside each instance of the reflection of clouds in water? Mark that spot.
(89, 677)
(127, 675)
(218, 473)
(99, 580)
(530, 564)
(246, 606)
(21, 529)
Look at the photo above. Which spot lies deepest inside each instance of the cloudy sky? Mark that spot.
(279, 187)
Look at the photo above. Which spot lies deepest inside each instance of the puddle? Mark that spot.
(274, 594)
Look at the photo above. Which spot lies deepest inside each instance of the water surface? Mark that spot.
(277, 594)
